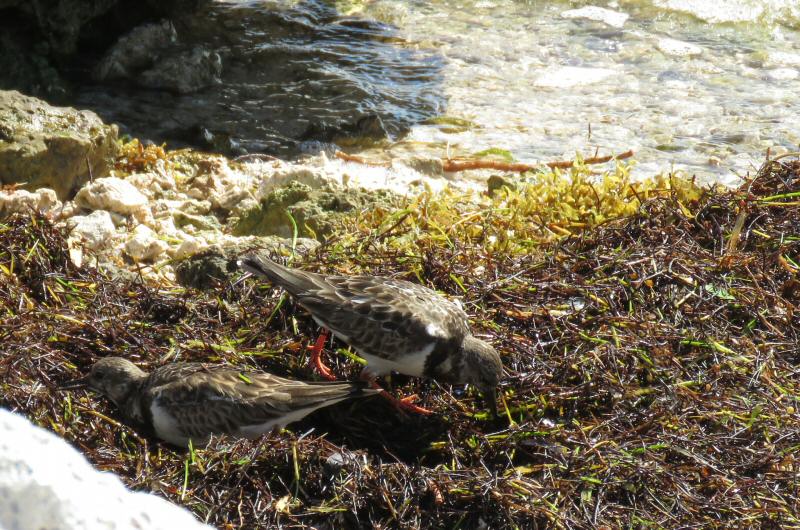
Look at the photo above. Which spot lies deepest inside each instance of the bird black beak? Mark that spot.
(83, 382)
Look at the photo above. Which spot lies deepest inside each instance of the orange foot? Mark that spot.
(316, 356)
(406, 403)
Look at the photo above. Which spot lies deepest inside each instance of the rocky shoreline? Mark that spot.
(139, 208)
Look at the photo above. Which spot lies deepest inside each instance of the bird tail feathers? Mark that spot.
(294, 281)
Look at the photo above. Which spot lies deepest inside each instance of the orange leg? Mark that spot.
(316, 356)
(406, 403)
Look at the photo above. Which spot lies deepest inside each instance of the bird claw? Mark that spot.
(316, 357)
(406, 403)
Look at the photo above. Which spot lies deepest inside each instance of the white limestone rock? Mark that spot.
(43, 200)
(144, 245)
(190, 246)
(45, 483)
(115, 195)
(152, 185)
(94, 231)
(312, 175)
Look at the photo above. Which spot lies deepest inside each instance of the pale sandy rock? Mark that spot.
(314, 176)
(94, 231)
(115, 195)
(46, 483)
(68, 209)
(195, 207)
(165, 226)
(153, 185)
(22, 201)
(144, 245)
(191, 245)
(614, 19)
(678, 48)
(229, 199)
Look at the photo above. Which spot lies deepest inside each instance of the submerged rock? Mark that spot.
(314, 211)
(43, 146)
(615, 19)
(678, 47)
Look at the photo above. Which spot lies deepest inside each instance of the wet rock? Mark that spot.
(144, 246)
(43, 146)
(782, 74)
(678, 48)
(93, 231)
(366, 130)
(314, 211)
(432, 167)
(115, 195)
(135, 51)
(218, 263)
(615, 19)
(22, 201)
(184, 73)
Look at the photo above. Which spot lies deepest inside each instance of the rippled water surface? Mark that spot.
(699, 85)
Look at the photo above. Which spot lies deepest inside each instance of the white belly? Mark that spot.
(412, 364)
(167, 428)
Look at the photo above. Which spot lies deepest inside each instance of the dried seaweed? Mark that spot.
(652, 378)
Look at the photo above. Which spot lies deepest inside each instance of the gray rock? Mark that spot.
(184, 73)
(43, 146)
(135, 51)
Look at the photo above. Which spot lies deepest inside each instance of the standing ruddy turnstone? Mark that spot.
(394, 324)
(184, 401)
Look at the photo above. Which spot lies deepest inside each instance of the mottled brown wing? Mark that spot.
(221, 399)
(385, 317)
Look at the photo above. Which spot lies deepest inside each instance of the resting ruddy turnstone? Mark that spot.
(394, 324)
(182, 401)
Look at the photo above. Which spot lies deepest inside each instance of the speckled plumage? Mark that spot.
(183, 401)
(394, 324)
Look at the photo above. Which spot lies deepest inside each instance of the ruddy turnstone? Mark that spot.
(183, 401)
(394, 324)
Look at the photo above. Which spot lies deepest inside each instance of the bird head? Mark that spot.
(482, 368)
(114, 377)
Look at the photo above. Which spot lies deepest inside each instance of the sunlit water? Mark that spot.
(706, 86)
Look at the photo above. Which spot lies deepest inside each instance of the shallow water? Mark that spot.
(700, 85)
